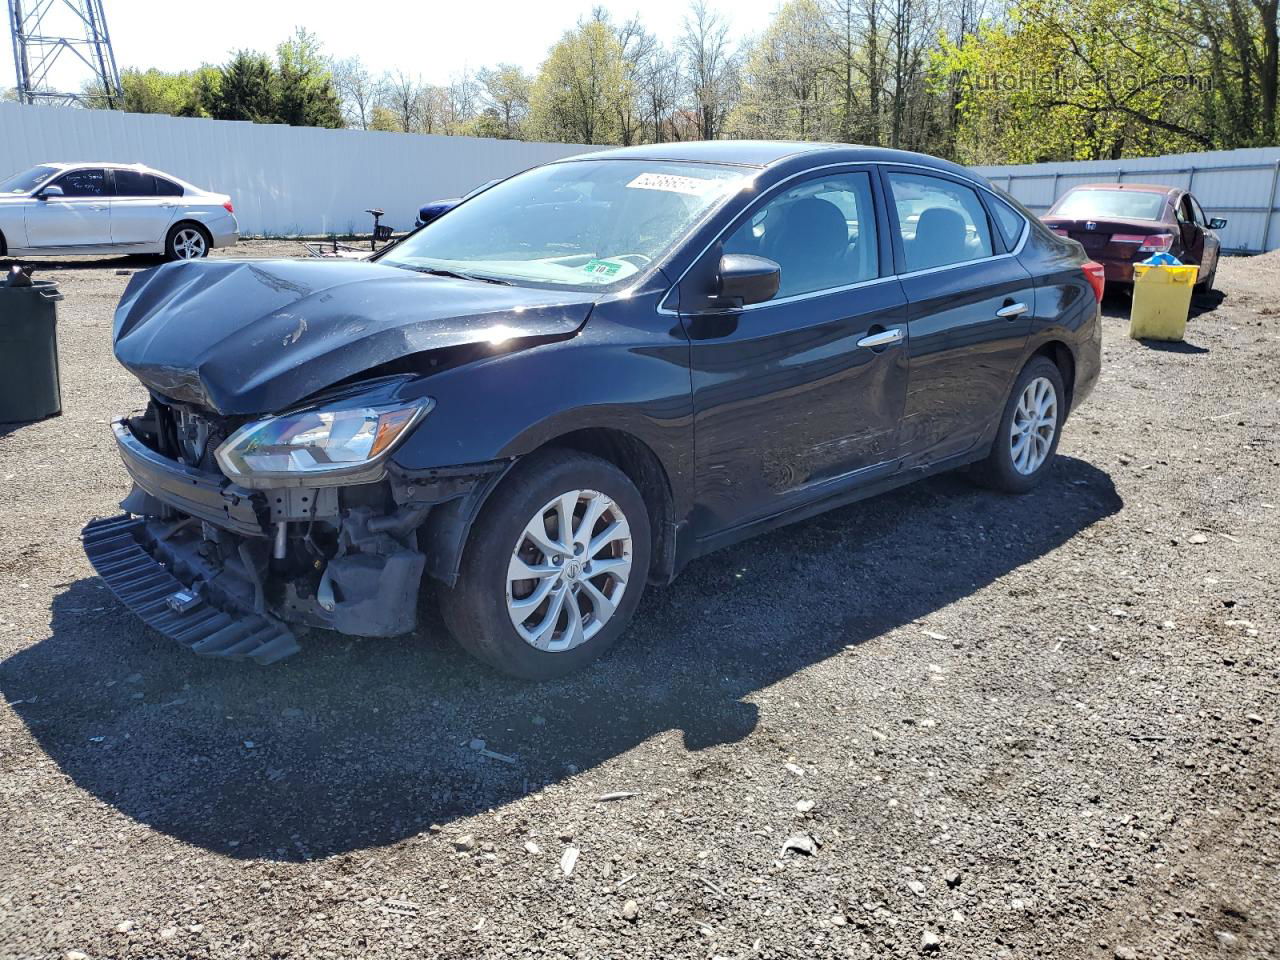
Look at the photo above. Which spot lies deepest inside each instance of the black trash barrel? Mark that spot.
(29, 388)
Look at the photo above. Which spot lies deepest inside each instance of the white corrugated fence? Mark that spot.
(1240, 185)
(282, 180)
(303, 180)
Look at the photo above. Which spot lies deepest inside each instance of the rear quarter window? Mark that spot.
(1009, 222)
(167, 188)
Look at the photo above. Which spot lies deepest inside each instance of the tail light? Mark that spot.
(1096, 274)
(228, 207)
(1156, 243)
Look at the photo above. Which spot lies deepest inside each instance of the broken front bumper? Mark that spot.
(205, 496)
(223, 569)
(117, 548)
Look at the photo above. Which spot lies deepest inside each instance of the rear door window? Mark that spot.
(941, 222)
(83, 183)
(131, 183)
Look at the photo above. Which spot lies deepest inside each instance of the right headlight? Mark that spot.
(322, 446)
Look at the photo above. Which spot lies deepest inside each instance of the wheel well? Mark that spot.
(190, 223)
(4, 247)
(1061, 355)
(643, 468)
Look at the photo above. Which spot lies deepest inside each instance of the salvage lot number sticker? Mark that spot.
(673, 183)
(606, 268)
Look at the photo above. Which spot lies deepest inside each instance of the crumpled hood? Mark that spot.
(257, 336)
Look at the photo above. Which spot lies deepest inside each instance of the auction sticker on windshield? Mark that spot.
(607, 268)
(673, 183)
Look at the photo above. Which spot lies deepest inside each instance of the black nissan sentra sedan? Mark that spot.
(575, 383)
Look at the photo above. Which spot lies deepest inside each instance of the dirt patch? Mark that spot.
(1024, 727)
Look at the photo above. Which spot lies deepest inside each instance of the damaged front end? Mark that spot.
(239, 528)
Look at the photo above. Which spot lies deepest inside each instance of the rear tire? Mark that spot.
(1026, 440)
(564, 615)
(187, 241)
(1206, 285)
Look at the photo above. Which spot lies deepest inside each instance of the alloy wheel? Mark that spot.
(1035, 422)
(569, 570)
(188, 244)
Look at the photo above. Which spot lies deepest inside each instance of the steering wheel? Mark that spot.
(633, 257)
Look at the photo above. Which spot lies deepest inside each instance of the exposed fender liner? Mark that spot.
(439, 484)
(444, 535)
(374, 595)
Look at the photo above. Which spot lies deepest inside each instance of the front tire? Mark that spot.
(187, 241)
(1026, 440)
(553, 568)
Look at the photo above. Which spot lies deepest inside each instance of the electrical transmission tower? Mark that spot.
(68, 35)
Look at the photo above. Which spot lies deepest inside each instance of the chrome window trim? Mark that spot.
(951, 266)
(664, 310)
(818, 293)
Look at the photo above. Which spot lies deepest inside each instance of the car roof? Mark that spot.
(108, 165)
(1138, 187)
(68, 164)
(767, 153)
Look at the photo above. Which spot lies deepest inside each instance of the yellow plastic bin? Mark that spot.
(1161, 301)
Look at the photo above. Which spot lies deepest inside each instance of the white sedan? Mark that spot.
(111, 208)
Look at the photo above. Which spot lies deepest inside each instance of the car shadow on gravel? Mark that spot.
(350, 745)
(1118, 303)
(48, 268)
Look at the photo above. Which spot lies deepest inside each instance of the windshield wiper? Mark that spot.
(457, 275)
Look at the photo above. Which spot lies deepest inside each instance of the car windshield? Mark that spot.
(585, 223)
(27, 180)
(1127, 204)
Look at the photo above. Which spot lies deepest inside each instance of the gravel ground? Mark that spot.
(1011, 727)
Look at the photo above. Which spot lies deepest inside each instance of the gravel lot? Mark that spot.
(1013, 727)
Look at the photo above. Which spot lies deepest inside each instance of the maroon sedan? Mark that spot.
(1121, 224)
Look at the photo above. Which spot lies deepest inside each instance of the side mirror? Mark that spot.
(745, 279)
(435, 210)
(47, 192)
(1217, 223)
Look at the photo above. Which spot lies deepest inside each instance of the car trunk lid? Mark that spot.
(1108, 238)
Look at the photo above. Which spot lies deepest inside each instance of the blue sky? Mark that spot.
(433, 40)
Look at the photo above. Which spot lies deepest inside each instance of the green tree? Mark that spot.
(710, 67)
(186, 93)
(579, 91)
(505, 93)
(787, 81)
(384, 119)
(1101, 78)
(246, 89)
(305, 94)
